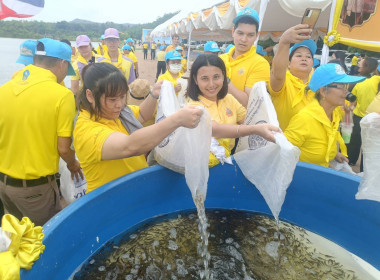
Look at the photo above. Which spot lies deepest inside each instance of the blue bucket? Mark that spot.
(319, 199)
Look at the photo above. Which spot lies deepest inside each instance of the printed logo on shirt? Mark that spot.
(229, 112)
(241, 71)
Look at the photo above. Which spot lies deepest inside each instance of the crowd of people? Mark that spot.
(102, 136)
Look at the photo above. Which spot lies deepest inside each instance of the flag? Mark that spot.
(20, 8)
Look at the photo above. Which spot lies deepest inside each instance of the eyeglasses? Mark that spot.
(340, 86)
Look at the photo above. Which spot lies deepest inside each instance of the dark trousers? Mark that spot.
(152, 54)
(161, 68)
(145, 53)
(353, 148)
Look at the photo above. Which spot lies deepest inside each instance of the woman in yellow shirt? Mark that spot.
(208, 87)
(315, 129)
(108, 137)
(173, 70)
(291, 72)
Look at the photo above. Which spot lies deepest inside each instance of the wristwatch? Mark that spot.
(151, 93)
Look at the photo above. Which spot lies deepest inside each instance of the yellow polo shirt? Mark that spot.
(247, 69)
(34, 111)
(145, 46)
(354, 60)
(80, 59)
(168, 76)
(122, 64)
(290, 99)
(89, 137)
(374, 107)
(226, 111)
(132, 56)
(101, 48)
(365, 92)
(161, 56)
(314, 134)
(153, 47)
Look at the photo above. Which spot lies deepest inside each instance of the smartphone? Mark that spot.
(310, 17)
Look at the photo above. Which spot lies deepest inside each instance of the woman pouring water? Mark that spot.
(109, 139)
(208, 87)
(314, 130)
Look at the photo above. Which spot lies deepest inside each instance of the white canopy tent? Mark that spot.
(215, 23)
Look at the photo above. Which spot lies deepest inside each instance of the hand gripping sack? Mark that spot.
(369, 187)
(71, 189)
(269, 166)
(170, 153)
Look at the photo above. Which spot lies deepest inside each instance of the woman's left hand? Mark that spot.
(340, 158)
(156, 90)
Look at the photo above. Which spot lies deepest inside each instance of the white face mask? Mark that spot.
(175, 68)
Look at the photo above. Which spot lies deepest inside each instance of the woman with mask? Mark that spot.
(208, 88)
(173, 70)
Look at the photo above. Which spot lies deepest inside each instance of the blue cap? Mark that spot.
(211, 46)
(378, 68)
(331, 73)
(57, 49)
(162, 47)
(126, 47)
(27, 51)
(102, 37)
(247, 12)
(129, 40)
(316, 62)
(229, 47)
(178, 49)
(172, 55)
(357, 53)
(309, 44)
(260, 50)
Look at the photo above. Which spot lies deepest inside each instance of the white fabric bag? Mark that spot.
(342, 166)
(71, 189)
(269, 166)
(369, 187)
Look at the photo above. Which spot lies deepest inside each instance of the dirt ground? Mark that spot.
(147, 68)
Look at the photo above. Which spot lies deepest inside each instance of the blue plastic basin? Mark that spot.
(319, 199)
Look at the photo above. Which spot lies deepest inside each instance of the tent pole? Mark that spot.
(325, 48)
(189, 44)
(263, 8)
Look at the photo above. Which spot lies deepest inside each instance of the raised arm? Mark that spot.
(280, 61)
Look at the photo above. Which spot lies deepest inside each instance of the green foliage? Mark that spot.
(70, 30)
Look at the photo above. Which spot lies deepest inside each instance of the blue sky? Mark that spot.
(118, 11)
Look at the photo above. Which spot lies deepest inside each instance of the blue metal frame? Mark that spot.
(319, 199)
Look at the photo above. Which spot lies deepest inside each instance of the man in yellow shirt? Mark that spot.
(161, 65)
(354, 64)
(145, 49)
(130, 42)
(86, 56)
(37, 116)
(153, 47)
(175, 43)
(113, 55)
(102, 48)
(127, 50)
(244, 66)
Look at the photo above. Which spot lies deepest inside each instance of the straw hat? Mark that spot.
(138, 91)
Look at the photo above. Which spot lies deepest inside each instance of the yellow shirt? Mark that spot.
(354, 61)
(145, 46)
(167, 76)
(290, 99)
(34, 111)
(226, 111)
(314, 134)
(102, 49)
(123, 64)
(365, 93)
(374, 107)
(78, 66)
(89, 137)
(161, 56)
(132, 56)
(153, 47)
(247, 69)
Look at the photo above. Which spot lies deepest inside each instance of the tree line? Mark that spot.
(70, 30)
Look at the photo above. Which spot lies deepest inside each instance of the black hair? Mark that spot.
(369, 66)
(46, 61)
(247, 20)
(100, 78)
(340, 59)
(66, 42)
(293, 52)
(193, 90)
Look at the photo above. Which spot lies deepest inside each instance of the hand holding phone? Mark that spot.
(310, 17)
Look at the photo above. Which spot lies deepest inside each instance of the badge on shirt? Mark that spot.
(241, 71)
(228, 112)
